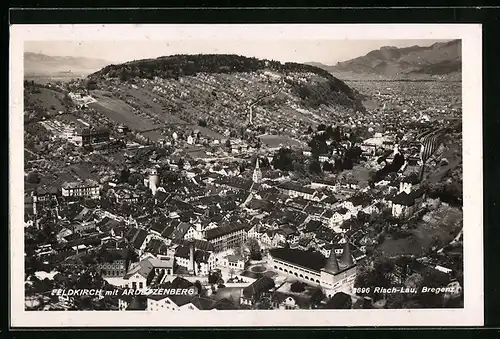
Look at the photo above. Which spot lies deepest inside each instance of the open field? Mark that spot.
(48, 99)
(121, 113)
(274, 141)
(441, 224)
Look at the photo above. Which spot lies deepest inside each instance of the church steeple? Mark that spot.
(332, 264)
(346, 258)
(257, 174)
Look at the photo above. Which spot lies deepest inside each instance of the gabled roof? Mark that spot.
(144, 268)
(198, 244)
(408, 199)
(199, 255)
(181, 230)
(139, 238)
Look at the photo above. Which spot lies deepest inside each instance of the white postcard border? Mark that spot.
(471, 315)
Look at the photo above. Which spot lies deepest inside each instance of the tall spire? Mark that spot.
(332, 264)
(346, 258)
(257, 174)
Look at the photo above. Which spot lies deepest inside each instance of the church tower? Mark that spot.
(257, 174)
(332, 265)
(346, 258)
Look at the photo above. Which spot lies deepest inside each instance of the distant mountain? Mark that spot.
(439, 59)
(45, 65)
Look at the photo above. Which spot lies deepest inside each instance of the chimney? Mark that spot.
(332, 264)
(346, 258)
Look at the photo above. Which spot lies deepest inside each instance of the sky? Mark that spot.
(324, 51)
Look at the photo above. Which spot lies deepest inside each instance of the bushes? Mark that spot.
(33, 178)
(297, 287)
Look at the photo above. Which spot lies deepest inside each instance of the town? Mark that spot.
(232, 184)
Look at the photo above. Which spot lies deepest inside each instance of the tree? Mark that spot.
(283, 160)
(310, 130)
(198, 286)
(329, 131)
(123, 75)
(228, 143)
(33, 178)
(321, 127)
(414, 281)
(315, 167)
(134, 179)
(124, 175)
(340, 300)
(297, 287)
(214, 277)
(254, 248)
(328, 166)
(202, 123)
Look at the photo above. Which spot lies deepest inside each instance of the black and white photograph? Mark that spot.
(272, 174)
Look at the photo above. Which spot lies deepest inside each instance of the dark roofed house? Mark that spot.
(307, 259)
(305, 243)
(294, 189)
(225, 304)
(226, 236)
(404, 204)
(158, 227)
(252, 293)
(198, 244)
(180, 231)
(139, 239)
(312, 226)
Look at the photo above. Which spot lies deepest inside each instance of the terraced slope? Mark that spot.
(227, 92)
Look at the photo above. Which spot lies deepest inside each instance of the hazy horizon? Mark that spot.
(328, 52)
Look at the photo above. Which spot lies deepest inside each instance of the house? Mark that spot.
(232, 261)
(405, 204)
(253, 232)
(227, 236)
(285, 302)
(331, 274)
(186, 231)
(139, 240)
(255, 291)
(87, 188)
(114, 264)
(149, 270)
(297, 190)
(139, 275)
(196, 261)
(84, 226)
(319, 183)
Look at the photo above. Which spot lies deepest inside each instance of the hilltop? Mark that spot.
(36, 64)
(220, 91)
(178, 66)
(438, 60)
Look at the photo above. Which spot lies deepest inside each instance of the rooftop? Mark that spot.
(311, 260)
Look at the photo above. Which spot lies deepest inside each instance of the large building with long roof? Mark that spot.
(332, 274)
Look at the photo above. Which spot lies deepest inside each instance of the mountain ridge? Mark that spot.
(43, 64)
(438, 59)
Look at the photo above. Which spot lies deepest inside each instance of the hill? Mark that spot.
(226, 92)
(437, 60)
(45, 65)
